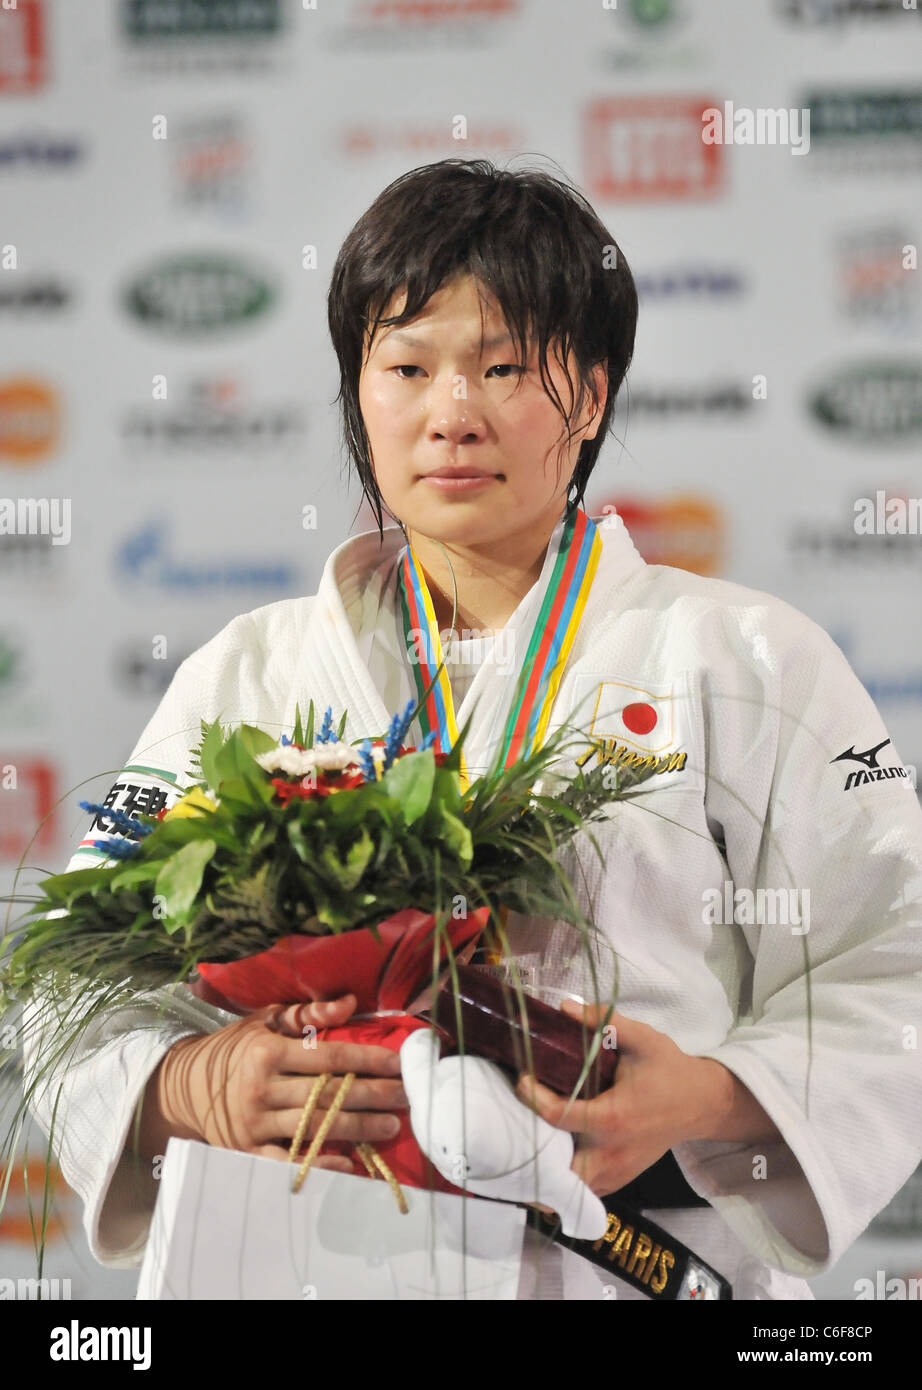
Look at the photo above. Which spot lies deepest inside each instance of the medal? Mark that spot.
(555, 628)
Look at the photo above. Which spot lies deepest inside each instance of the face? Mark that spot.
(431, 400)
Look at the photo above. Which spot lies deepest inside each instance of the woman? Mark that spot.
(483, 322)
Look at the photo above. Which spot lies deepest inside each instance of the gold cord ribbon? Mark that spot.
(366, 1152)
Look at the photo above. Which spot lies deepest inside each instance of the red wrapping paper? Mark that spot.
(384, 972)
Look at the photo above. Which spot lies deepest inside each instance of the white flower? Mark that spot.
(286, 759)
(323, 757)
(330, 757)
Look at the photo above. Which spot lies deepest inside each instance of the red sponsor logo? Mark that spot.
(28, 819)
(375, 138)
(23, 46)
(685, 532)
(433, 11)
(649, 147)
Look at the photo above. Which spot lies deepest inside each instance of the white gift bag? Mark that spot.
(228, 1226)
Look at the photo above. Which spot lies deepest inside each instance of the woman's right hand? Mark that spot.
(244, 1087)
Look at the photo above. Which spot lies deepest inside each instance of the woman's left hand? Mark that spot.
(661, 1097)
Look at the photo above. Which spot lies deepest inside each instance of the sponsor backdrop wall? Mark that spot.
(175, 181)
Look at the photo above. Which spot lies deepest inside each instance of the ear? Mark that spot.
(595, 412)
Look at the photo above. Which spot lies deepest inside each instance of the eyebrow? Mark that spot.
(400, 335)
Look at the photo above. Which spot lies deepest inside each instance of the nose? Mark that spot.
(453, 416)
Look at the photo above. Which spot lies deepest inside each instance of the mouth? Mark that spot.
(459, 471)
(459, 479)
(459, 482)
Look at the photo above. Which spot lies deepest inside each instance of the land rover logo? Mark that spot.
(652, 12)
(872, 400)
(197, 294)
(144, 19)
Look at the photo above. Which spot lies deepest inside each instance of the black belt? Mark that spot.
(639, 1250)
(661, 1185)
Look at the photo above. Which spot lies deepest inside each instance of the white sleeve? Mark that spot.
(97, 1085)
(829, 1045)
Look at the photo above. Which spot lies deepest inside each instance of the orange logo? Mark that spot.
(25, 1199)
(685, 532)
(29, 420)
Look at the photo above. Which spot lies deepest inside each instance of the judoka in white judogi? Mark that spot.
(759, 724)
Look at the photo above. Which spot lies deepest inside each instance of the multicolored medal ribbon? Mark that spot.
(552, 637)
(555, 628)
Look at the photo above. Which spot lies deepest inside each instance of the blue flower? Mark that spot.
(366, 762)
(327, 732)
(119, 819)
(118, 849)
(399, 725)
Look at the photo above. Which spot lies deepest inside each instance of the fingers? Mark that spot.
(574, 1115)
(357, 1127)
(288, 1092)
(365, 1059)
(629, 1032)
(275, 1052)
(291, 1020)
(337, 1163)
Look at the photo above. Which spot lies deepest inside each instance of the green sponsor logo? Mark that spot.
(165, 19)
(652, 12)
(197, 294)
(871, 401)
(9, 663)
(862, 115)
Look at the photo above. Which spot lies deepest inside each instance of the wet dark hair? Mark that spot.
(534, 244)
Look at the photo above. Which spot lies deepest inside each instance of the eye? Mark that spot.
(514, 366)
(499, 367)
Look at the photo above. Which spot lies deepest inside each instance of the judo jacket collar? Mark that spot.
(334, 653)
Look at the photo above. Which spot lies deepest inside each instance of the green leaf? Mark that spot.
(131, 874)
(347, 872)
(212, 742)
(238, 792)
(255, 740)
(457, 838)
(180, 879)
(410, 781)
(60, 888)
(235, 762)
(297, 733)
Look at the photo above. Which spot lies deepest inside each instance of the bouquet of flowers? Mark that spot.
(306, 868)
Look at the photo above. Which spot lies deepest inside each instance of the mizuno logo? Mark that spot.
(871, 770)
(869, 757)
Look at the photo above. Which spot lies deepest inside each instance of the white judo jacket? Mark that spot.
(779, 836)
